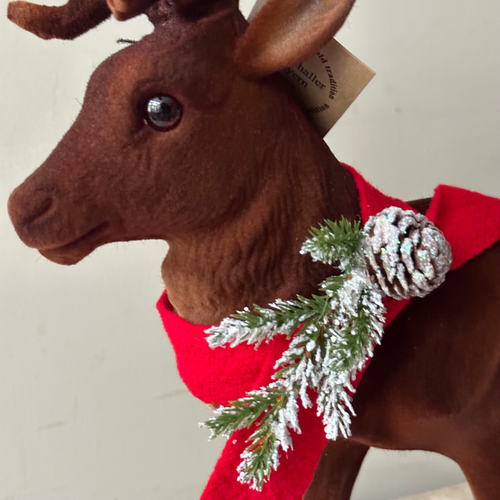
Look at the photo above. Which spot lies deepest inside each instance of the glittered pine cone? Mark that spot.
(407, 255)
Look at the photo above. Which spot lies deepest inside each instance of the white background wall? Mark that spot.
(91, 407)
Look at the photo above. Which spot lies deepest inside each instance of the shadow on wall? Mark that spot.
(390, 475)
(460, 492)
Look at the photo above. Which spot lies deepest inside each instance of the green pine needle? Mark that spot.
(334, 241)
(290, 313)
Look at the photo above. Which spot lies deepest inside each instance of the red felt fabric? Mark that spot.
(470, 222)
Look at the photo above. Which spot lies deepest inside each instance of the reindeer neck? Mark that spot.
(254, 257)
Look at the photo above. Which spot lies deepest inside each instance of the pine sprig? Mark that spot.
(245, 411)
(334, 242)
(262, 324)
(332, 337)
(261, 455)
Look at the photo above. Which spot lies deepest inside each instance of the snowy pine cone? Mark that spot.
(407, 255)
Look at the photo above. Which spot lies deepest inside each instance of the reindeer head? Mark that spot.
(174, 128)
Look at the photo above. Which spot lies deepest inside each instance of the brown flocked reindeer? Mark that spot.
(232, 175)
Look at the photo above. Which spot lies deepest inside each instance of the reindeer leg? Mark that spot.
(337, 470)
(481, 465)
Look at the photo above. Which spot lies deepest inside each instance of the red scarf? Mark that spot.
(471, 223)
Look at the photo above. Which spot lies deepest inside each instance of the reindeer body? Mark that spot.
(234, 189)
(432, 385)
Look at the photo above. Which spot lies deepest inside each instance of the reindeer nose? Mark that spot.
(27, 208)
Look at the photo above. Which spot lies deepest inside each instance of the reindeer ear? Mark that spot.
(126, 9)
(285, 33)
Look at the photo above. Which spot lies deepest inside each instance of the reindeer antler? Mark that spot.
(65, 22)
(73, 19)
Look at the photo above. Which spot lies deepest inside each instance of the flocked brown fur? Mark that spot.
(65, 22)
(234, 189)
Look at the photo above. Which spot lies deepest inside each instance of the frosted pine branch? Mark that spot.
(333, 334)
(281, 317)
(332, 337)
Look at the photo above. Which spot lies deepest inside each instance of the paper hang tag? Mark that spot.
(257, 6)
(328, 83)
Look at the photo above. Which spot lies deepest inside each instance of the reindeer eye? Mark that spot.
(163, 113)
